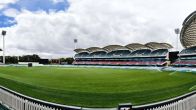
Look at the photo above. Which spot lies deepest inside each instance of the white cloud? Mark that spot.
(57, 1)
(97, 23)
(11, 12)
(7, 1)
(3, 3)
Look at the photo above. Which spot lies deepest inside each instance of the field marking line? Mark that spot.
(172, 73)
(193, 88)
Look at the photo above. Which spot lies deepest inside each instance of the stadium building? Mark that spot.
(187, 57)
(152, 54)
(135, 54)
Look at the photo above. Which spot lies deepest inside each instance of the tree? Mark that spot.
(30, 58)
(10, 59)
(69, 60)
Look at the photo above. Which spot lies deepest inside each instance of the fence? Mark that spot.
(185, 102)
(17, 101)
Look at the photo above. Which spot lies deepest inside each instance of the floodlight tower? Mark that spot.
(177, 32)
(75, 43)
(3, 34)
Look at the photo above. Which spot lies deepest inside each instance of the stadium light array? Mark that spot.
(75, 43)
(3, 34)
(177, 32)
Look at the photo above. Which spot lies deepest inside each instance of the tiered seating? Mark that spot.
(98, 54)
(188, 63)
(136, 58)
(123, 63)
(188, 51)
(143, 52)
(118, 53)
(185, 63)
(134, 54)
(82, 55)
(159, 52)
(187, 57)
(77, 55)
(122, 53)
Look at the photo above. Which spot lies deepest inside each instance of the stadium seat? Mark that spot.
(187, 57)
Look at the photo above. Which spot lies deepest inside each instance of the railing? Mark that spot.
(17, 101)
(185, 102)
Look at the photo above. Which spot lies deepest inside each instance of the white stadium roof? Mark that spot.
(96, 49)
(136, 46)
(111, 48)
(188, 31)
(80, 50)
(131, 47)
(155, 45)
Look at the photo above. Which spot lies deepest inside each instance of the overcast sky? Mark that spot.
(48, 27)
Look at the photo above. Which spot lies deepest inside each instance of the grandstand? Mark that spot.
(152, 53)
(135, 54)
(187, 57)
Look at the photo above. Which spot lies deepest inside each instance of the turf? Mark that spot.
(96, 87)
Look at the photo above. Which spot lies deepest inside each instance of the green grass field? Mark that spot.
(96, 87)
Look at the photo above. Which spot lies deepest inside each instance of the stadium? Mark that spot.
(150, 54)
(135, 54)
(187, 57)
(116, 77)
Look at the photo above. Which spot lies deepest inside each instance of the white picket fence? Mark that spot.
(17, 101)
(187, 103)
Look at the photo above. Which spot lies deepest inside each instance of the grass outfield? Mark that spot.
(96, 87)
